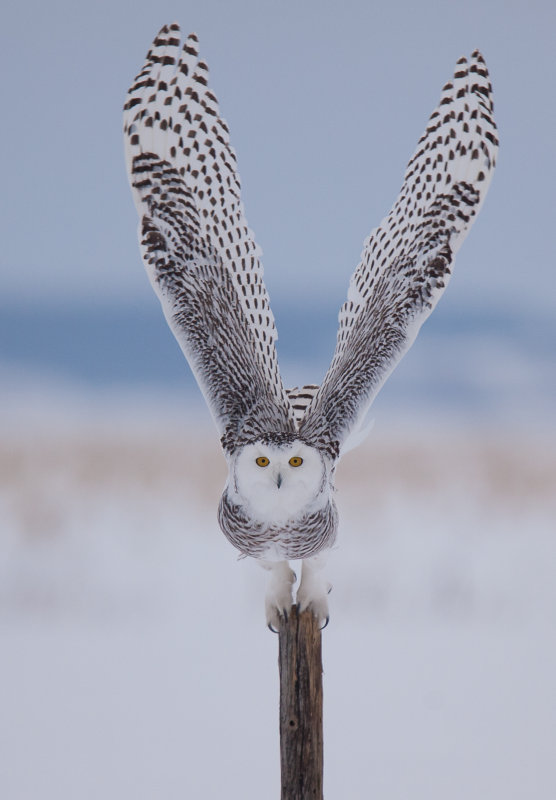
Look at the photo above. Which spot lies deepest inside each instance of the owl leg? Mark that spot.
(314, 589)
(278, 598)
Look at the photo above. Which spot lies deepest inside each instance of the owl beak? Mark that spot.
(279, 480)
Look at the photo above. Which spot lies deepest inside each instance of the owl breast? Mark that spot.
(297, 538)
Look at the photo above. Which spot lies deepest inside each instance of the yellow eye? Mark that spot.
(296, 461)
(262, 461)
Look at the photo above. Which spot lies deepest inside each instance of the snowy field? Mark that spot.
(134, 658)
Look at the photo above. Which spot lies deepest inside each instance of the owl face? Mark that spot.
(278, 483)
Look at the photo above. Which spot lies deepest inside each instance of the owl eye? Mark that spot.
(296, 461)
(262, 461)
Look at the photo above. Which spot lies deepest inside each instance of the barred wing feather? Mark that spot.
(407, 261)
(199, 253)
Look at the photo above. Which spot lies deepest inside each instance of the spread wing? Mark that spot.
(198, 251)
(407, 261)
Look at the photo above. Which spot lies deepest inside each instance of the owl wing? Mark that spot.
(407, 261)
(198, 251)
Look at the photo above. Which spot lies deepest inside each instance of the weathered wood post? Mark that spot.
(301, 740)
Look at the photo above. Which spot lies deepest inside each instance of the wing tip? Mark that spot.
(170, 35)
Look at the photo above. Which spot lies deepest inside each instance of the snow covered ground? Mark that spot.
(134, 658)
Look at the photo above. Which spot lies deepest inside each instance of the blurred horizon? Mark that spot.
(469, 365)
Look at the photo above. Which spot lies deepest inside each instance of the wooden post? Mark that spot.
(301, 740)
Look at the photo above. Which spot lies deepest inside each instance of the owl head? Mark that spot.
(279, 481)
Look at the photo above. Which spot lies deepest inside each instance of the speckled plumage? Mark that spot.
(407, 261)
(199, 253)
(204, 265)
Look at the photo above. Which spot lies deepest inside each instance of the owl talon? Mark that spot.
(280, 616)
(322, 627)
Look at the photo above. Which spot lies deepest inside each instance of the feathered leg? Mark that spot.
(278, 598)
(314, 589)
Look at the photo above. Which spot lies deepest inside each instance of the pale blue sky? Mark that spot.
(325, 102)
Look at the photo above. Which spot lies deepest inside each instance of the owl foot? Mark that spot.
(313, 590)
(278, 598)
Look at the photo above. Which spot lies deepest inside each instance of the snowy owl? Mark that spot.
(282, 446)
